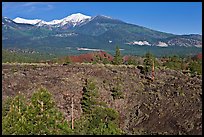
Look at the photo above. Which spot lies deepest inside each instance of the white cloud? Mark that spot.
(27, 4)
(39, 5)
(23, 7)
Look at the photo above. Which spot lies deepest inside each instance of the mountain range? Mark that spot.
(82, 31)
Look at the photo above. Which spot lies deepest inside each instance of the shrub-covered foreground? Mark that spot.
(40, 116)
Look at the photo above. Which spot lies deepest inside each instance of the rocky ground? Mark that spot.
(171, 104)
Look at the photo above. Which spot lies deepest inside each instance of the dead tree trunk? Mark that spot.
(72, 114)
(153, 71)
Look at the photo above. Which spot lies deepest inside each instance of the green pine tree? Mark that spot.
(117, 58)
(90, 94)
(40, 116)
(148, 61)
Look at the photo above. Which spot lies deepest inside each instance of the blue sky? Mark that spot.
(172, 17)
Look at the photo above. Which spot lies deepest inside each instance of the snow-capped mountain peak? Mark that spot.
(26, 21)
(75, 19)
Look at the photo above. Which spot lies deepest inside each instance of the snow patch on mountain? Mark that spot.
(53, 22)
(139, 43)
(65, 35)
(106, 16)
(162, 44)
(7, 19)
(199, 46)
(41, 23)
(89, 49)
(26, 21)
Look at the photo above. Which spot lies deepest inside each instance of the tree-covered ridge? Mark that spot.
(8, 56)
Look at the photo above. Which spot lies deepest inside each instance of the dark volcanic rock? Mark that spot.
(171, 104)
